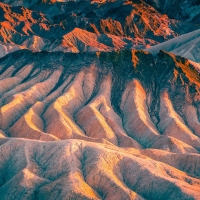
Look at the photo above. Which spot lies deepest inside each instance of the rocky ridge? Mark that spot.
(188, 10)
(91, 26)
(187, 46)
(91, 126)
(80, 118)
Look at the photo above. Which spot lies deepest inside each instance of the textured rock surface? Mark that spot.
(188, 10)
(187, 46)
(77, 26)
(74, 169)
(82, 119)
(91, 126)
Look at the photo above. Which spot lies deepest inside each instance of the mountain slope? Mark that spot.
(85, 113)
(91, 126)
(181, 10)
(92, 26)
(80, 123)
(83, 170)
(187, 46)
(77, 93)
(44, 25)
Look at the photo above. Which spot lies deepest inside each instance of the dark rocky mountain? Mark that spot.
(86, 113)
(75, 26)
(188, 10)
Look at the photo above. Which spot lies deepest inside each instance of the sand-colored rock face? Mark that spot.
(75, 169)
(136, 117)
(79, 127)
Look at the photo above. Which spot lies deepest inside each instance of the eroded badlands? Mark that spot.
(79, 127)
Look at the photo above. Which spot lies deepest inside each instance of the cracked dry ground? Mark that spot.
(121, 125)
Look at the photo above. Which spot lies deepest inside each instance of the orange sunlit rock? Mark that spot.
(99, 100)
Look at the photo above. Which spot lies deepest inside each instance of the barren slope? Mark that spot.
(119, 125)
(83, 170)
(187, 46)
(188, 10)
(73, 26)
(82, 119)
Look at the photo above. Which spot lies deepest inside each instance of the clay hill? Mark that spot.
(117, 125)
(99, 99)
